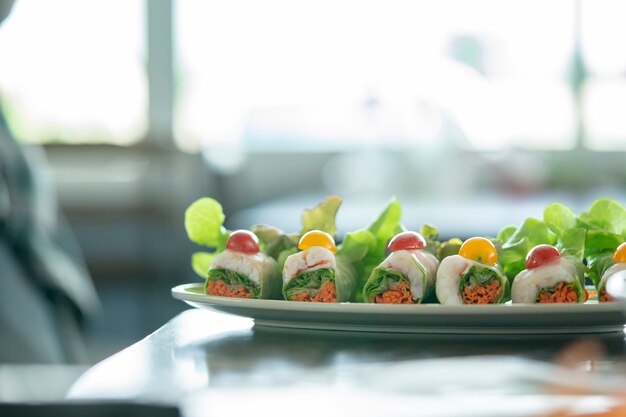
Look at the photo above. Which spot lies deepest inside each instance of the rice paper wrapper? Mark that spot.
(269, 281)
(343, 277)
(384, 277)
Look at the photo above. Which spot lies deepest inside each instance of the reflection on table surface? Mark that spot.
(202, 353)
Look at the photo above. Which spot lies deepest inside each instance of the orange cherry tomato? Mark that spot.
(317, 238)
(620, 253)
(243, 241)
(479, 249)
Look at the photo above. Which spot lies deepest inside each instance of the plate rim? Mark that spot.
(180, 292)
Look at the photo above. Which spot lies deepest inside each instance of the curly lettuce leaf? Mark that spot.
(563, 222)
(449, 248)
(431, 235)
(201, 261)
(599, 248)
(282, 257)
(356, 245)
(322, 216)
(592, 236)
(599, 242)
(607, 215)
(506, 232)
(531, 233)
(204, 223)
(559, 218)
(597, 266)
(385, 226)
(273, 241)
(571, 242)
(365, 248)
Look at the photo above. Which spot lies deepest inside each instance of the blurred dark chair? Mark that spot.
(45, 289)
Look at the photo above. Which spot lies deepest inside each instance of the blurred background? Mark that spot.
(475, 114)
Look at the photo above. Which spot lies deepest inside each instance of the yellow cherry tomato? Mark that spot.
(317, 238)
(479, 249)
(620, 253)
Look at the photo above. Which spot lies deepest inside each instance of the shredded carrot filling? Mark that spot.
(398, 294)
(563, 293)
(325, 295)
(218, 287)
(606, 297)
(482, 294)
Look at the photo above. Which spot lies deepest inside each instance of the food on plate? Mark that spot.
(549, 277)
(242, 271)
(387, 264)
(406, 276)
(473, 276)
(316, 274)
(619, 265)
(365, 248)
(204, 224)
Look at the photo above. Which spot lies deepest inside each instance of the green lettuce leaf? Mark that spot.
(559, 218)
(322, 216)
(571, 242)
(385, 226)
(201, 261)
(599, 248)
(431, 235)
(563, 222)
(356, 245)
(204, 220)
(599, 242)
(506, 232)
(282, 257)
(531, 233)
(365, 248)
(449, 248)
(597, 266)
(273, 241)
(607, 215)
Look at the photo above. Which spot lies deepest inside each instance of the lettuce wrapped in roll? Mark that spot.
(315, 274)
(549, 278)
(406, 276)
(615, 265)
(473, 276)
(242, 271)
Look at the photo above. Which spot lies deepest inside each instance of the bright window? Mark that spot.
(288, 72)
(604, 94)
(72, 71)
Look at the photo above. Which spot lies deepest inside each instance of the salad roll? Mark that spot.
(406, 276)
(618, 265)
(549, 278)
(473, 276)
(315, 274)
(242, 271)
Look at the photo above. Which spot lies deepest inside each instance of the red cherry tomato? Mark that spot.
(406, 241)
(541, 255)
(243, 241)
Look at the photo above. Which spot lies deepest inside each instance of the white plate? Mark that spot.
(425, 318)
